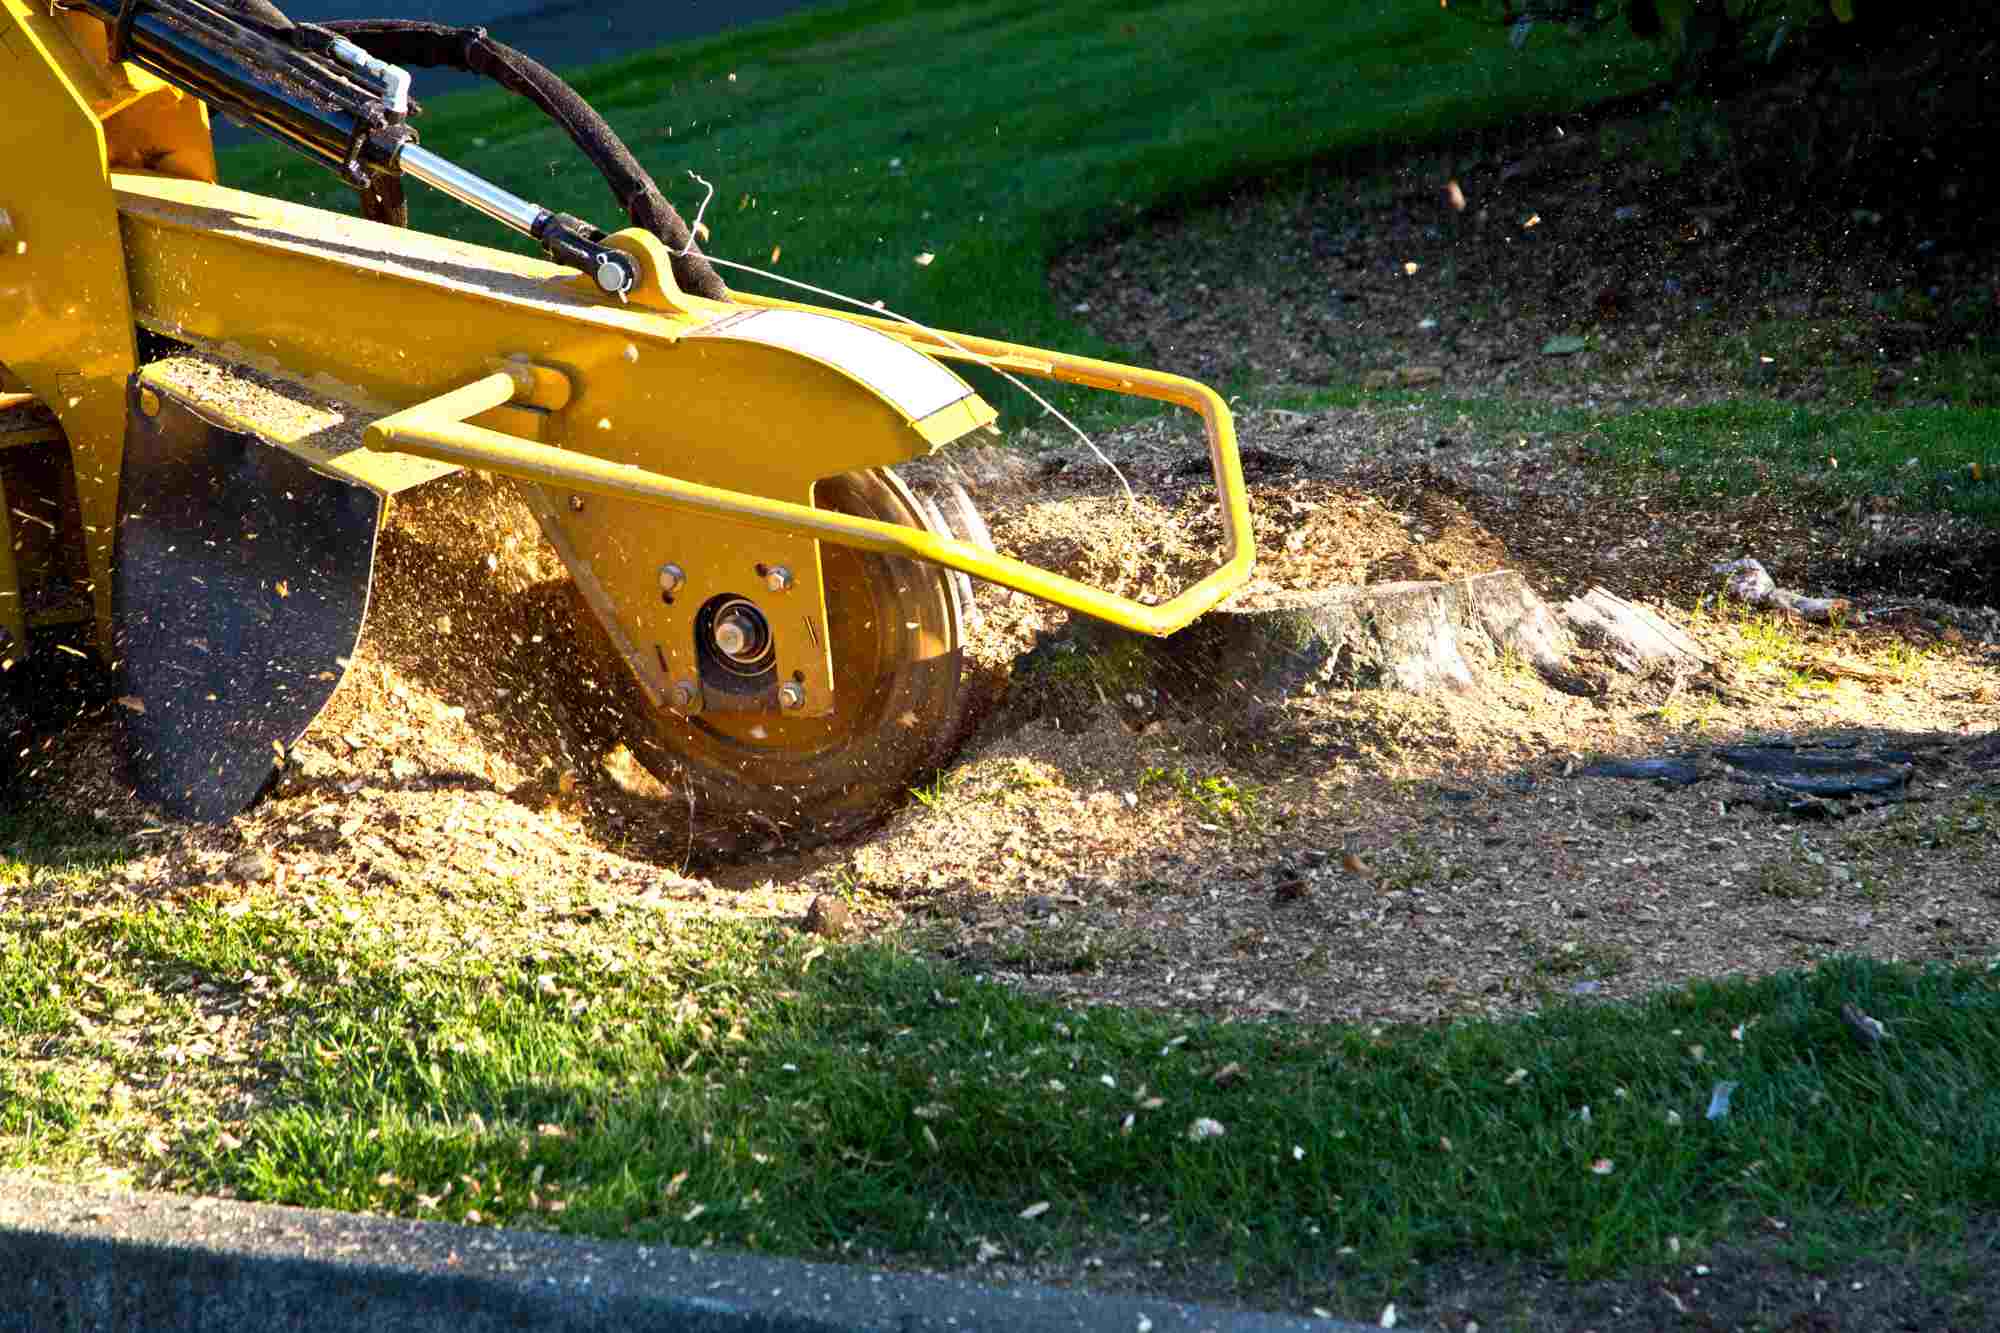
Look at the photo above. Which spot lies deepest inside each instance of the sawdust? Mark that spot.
(1129, 858)
(281, 411)
(1130, 861)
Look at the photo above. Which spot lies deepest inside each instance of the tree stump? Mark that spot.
(1417, 637)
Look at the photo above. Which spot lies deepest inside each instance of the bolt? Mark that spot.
(732, 636)
(739, 633)
(576, 504)
(687, 696)
(149, 402)
(671, 578)
(792, 694)
(6, 226)
(778, 579)
(611, 275)
(523, 377)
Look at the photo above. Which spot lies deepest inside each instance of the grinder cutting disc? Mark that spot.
(897, 631)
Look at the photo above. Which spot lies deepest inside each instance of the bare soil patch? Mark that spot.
(1119, 854)
(1808, 237)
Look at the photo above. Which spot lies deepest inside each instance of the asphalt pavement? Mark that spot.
(83, 1260)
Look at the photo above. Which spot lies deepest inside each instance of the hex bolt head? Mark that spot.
(576, 504)
(672, 577)
(792, 694)
(687, 696)
(778, 578)
(731, 637)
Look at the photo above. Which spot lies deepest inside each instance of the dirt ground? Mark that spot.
(1365, 856)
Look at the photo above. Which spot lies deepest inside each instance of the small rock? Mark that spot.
(1411, 376)
(1291, 889)
(1038, 905)
(1868, 1030)
(251, 867)
(829, 918)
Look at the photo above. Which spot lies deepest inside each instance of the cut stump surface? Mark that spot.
(1417, 637)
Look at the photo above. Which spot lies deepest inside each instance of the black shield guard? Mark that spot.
(240, 585)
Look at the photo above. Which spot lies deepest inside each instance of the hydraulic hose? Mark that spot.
(438, 45)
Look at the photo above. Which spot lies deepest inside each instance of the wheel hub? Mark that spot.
(740, 634)
(896, 630)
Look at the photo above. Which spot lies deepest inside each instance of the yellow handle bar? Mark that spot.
(438, 428)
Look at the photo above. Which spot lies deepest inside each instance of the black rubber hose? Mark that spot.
(441, 46)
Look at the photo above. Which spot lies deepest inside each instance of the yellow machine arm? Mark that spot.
(713, 472)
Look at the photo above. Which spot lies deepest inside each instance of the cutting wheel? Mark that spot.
(897, 631)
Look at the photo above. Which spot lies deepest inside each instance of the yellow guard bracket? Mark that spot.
(438, 429)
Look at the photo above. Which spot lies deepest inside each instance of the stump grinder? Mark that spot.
(208, 398)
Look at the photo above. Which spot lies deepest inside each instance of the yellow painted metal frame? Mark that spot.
(439, 429)
(477, 357)
(70, 117)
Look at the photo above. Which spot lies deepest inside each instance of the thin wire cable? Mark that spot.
(939, 334)
(694, 227)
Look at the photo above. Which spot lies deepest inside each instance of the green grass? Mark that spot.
(1217, 797)
(741, 1085)
(994, 134)
(1921, 458)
